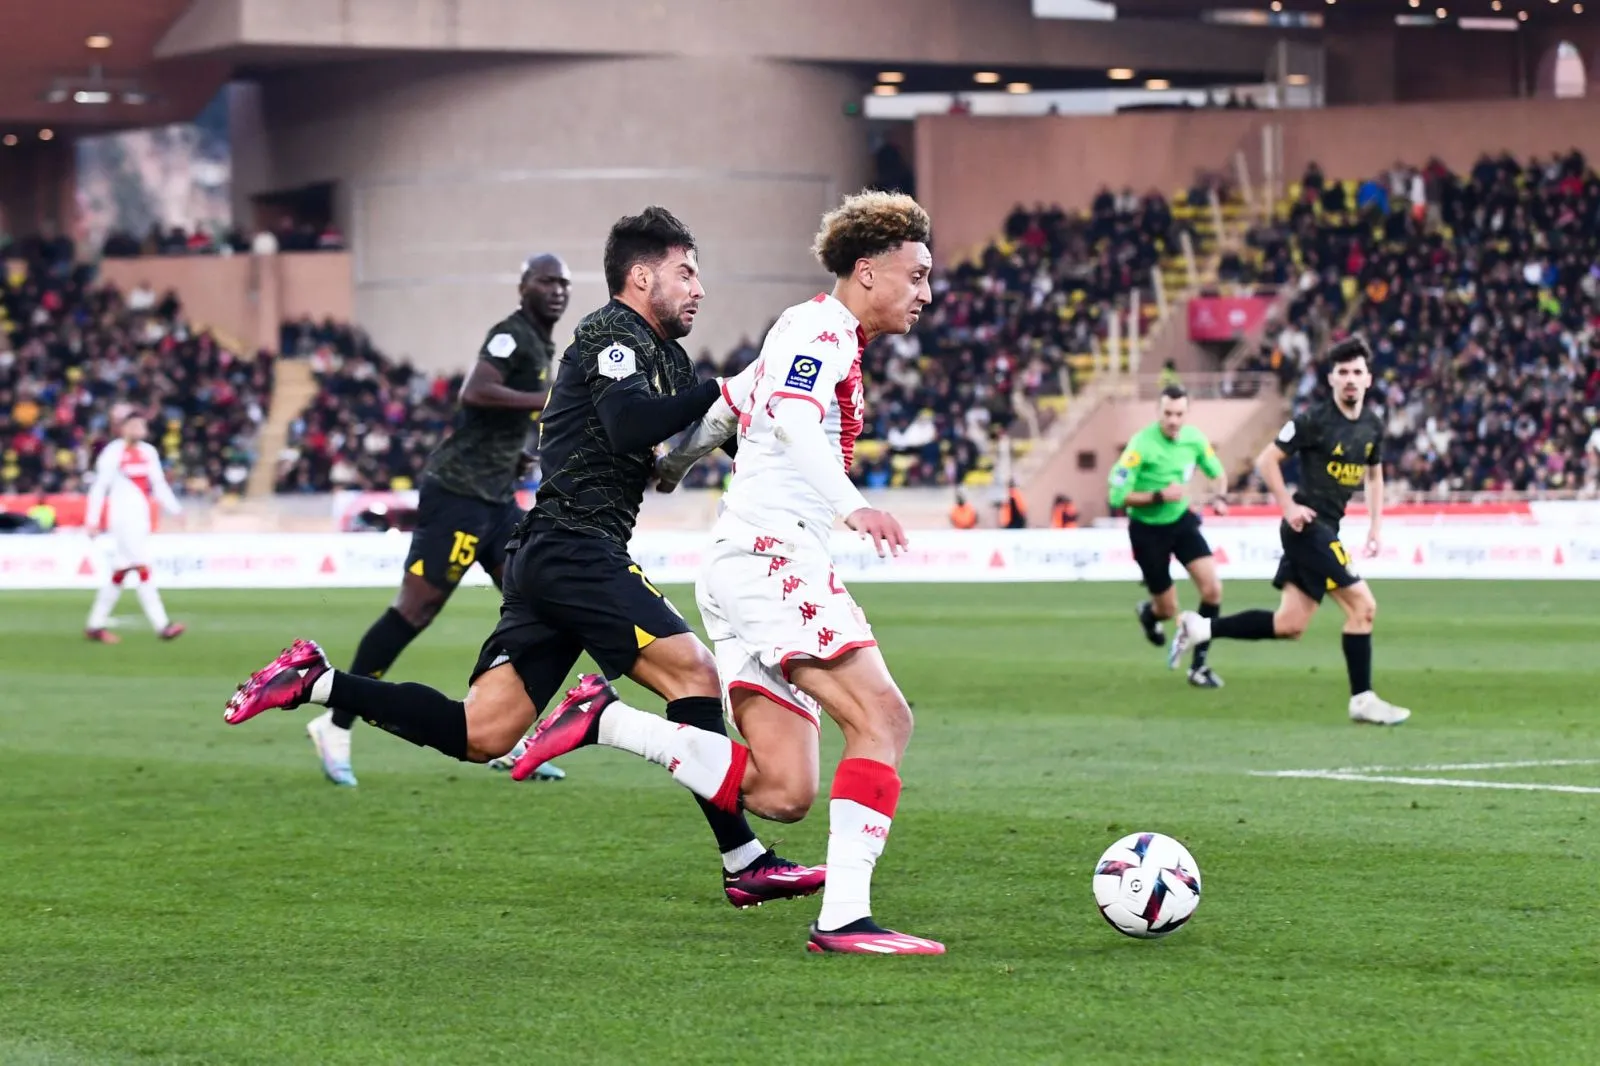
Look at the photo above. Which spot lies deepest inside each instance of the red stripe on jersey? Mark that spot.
(773, 401)
(135, 468)
(852, 411)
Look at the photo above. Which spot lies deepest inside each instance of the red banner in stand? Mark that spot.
(1226, 318)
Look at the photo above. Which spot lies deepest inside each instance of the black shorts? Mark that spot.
(565, 594)
(453, 532)
(1154, 546)
(1314, 560)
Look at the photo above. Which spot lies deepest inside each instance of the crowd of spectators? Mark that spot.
(373, 420)
(288, 237)
(994, 343)
(74, 355)
(1480, 295)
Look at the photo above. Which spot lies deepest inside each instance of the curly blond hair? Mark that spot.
(867, 225)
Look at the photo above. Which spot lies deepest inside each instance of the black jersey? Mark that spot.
(587, 486)
(481, 455)
(1334, 452)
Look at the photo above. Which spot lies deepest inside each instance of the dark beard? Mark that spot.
(672, 323)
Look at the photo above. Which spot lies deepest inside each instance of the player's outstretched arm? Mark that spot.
(486, 387)
(715, 428)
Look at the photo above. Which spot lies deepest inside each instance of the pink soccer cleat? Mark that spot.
(102, 636)
(283, 683)
(867, 937)
(573, 724)
(772, 877)
(174, 631)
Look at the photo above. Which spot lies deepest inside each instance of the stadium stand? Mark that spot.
(72, 353)
(1480, 293)
(372, 421)
(1014, 330)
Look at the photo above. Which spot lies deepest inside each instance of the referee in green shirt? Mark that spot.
(1149, 480)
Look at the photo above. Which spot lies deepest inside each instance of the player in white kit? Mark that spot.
(788, 636)
(127, 475)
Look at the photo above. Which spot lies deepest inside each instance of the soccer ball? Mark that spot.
(1147, 885)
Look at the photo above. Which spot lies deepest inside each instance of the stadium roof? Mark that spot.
(88, 64)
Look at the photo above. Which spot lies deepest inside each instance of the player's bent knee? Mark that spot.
(419, 606)
(499, 712)
(1287, 626)
(677, 666)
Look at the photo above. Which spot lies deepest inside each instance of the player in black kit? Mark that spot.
(626, 385)
(1340, 445)
(466, 507)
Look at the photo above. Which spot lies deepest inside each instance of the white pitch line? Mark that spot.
(1336, 775)
(1519, 765)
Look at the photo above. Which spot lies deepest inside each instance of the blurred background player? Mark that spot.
(788, 635)
(626, 386)
(467, 505)
(1340, 445)
(1150, 480)
(127, 476)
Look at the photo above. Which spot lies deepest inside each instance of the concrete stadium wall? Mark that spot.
(972, 170)
(452, 170)
(245, 298)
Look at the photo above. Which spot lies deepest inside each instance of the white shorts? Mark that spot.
(767, 601)
(129, 533)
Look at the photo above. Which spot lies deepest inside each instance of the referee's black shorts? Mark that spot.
(1314, 560)
(1153, 547)
(566, 594)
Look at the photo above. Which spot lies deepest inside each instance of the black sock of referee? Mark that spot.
(1358, 661)
(1246, 625)
(1212, 611)
(424, 716)
(705, 712)
(379, 648)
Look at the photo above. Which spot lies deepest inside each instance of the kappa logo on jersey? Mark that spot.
(808, 611)
(778, 563)
(803, 373)
(825, 336)
(790, 584)
(825, 636)
(766, 544)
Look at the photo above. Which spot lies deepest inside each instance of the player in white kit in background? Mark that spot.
(127, 475)
(787, 634)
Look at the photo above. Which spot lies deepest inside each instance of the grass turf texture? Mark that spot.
(176, 890)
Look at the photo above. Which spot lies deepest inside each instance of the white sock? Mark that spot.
(322, 688)
(150, 600)
(698, 760)
(104, 601)
(1199, 629)
(856, 835)
(742, 856)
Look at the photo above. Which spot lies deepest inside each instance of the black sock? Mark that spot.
(424, 716)
(705, 712)
(378, 650)
(1358, 661)
(1246, 625)
(1147, 615)
(1212, 611)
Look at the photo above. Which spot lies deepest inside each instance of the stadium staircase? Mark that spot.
(294, 386)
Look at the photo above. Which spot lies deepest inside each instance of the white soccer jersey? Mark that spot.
(811, 355)
(126, 478)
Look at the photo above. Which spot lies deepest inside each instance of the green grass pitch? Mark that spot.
(176, 890)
